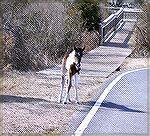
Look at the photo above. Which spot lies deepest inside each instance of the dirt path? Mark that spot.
(29, 102)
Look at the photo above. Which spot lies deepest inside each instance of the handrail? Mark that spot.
(110, 24)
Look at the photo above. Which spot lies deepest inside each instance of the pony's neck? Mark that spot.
(72, 55)
(70, 60)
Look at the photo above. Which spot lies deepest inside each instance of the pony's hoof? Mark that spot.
(59, 101)
(64, 102)
(77, 102)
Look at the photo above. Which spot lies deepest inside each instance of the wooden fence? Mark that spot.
(112, 22)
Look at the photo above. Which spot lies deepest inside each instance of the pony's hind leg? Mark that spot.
(68, 93)
(76, 80)
(69, 84)
(62, 87)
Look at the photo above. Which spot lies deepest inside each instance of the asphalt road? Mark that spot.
(123, 110)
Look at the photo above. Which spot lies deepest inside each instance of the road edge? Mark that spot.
(79, 131)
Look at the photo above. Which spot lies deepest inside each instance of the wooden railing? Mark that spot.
(110, 24)
(132, 14)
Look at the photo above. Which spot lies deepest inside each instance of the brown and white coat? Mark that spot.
(71, 67)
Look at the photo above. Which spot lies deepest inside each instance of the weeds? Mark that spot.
(36, 35)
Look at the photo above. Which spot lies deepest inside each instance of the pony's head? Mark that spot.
(78, 56)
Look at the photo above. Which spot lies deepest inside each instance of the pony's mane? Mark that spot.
(69, 50)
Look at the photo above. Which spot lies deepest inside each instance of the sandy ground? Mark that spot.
(133, 63)
(29, 102)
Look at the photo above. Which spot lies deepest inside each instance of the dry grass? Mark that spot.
(133, 63)
(141, 44)
(40, 33)
(148, 23)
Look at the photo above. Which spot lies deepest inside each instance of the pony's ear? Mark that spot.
(74, 47)
(83, 48)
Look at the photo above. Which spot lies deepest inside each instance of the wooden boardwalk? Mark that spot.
(104, 60)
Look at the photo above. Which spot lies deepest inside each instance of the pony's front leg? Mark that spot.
(76, 80)
(62, 87)
(68, 90)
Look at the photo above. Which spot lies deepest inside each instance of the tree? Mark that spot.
(119, 2)
(90, 14)
(140, 1)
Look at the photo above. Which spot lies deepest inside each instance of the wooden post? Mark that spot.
(118, 18)
(115, 22)
(100, 34)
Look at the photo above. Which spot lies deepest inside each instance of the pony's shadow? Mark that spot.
(87, 105)
(112, 105)
(41, 102)
(19, 99)
(119, 107)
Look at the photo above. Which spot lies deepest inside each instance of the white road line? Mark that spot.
(98, 103)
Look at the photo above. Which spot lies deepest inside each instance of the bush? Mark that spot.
(142, 46)
(90, 14)
(38, 33)
(148, 24)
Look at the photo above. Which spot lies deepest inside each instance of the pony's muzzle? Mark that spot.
(78, 66)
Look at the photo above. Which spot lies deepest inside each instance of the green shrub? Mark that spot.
(90, 14)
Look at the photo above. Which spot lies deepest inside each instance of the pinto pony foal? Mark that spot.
(71, 66)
